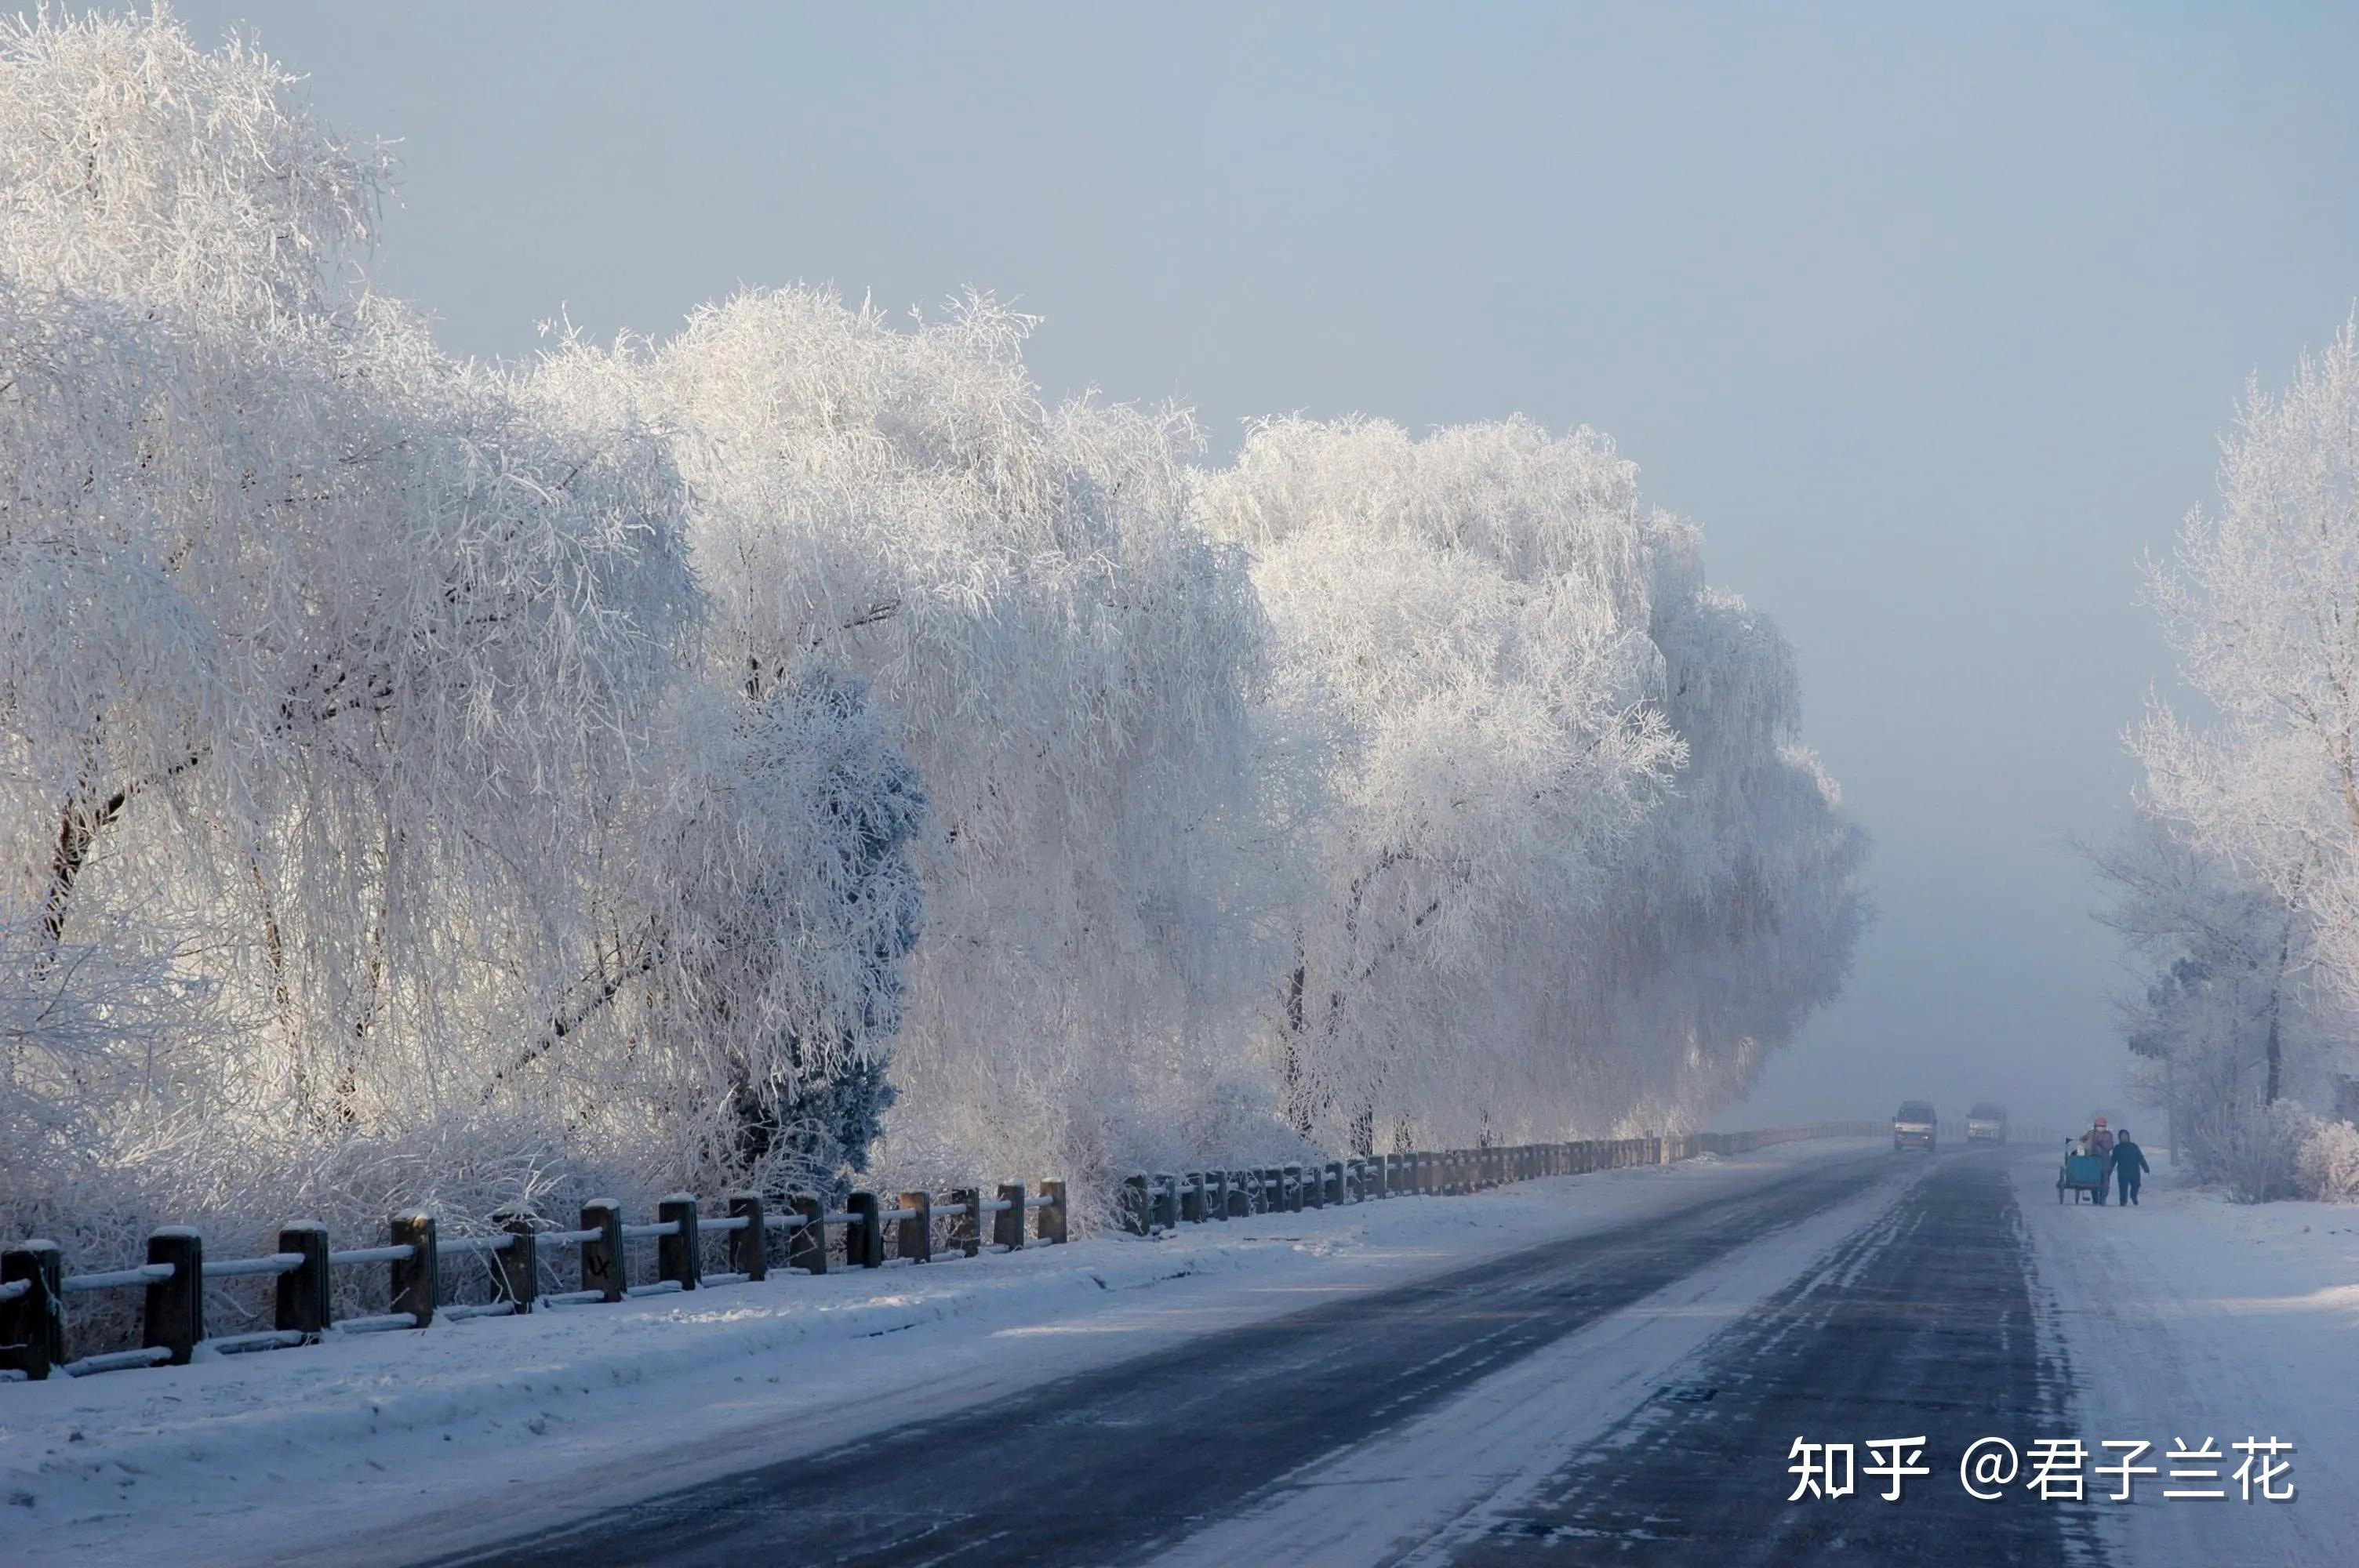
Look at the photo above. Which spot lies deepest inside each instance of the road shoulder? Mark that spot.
(2189, 1316)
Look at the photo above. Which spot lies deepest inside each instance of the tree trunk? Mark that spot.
(1298, 1107)
(2277, 999)
(78, 829)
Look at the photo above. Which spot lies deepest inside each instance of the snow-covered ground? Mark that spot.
(480, 1429)
(2191, 1317)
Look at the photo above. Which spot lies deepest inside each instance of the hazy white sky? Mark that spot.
(1930, 322)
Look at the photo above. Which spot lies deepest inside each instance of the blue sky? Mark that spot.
(1931, 318)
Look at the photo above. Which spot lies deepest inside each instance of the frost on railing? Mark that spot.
(35, 1288)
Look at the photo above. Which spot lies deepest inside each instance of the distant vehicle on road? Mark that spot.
(1912, 1125)
(1986, 1123)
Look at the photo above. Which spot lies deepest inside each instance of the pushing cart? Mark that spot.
(2083, 1175)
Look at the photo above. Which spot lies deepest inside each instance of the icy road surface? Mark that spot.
(1129, 1460)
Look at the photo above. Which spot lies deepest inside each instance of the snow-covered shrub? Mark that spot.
(2255, 1151)
(2329, 1167)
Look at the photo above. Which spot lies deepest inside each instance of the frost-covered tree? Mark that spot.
(1738, 905)
(2230, 1015)
(426, 782)
(1064, 655)
(2261, 602)
(343, 686)
(1520, 895)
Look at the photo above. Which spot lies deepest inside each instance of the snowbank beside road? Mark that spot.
(478, 1427)
(2189, 1316)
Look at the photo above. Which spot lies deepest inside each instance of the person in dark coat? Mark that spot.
(2129, 1166)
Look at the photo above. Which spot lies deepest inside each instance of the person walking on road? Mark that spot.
(2129, 1166)
(2101, 1145)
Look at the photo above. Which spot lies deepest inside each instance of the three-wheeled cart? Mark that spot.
(2082, 1176)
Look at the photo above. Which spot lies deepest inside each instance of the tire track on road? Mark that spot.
(1113, 1465)
(1920, 1324)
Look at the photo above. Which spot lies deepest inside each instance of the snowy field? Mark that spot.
(2189, 1317)
(486, 1427)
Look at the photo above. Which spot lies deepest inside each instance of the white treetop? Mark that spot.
(2261, 602)
(1515, 880)
(1067, 657)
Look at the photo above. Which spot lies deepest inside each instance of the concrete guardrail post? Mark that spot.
(1052, 1229)
(864, 1239)
(174, 1316)
(1334, 1183)
(1238, 1194)
(966, 1229)
(749, 1244)
(518, 1262)
(914, 1238)
(1007, 1225)
(33, 1326)
(1167, 1201)
(807, 1243)
(680, 1255)
(1192, 1198)
(414, 1277)
(602, 1267)
(304, 1299)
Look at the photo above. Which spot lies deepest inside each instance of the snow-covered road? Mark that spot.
(2189, 1317)
(1587, 1369)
